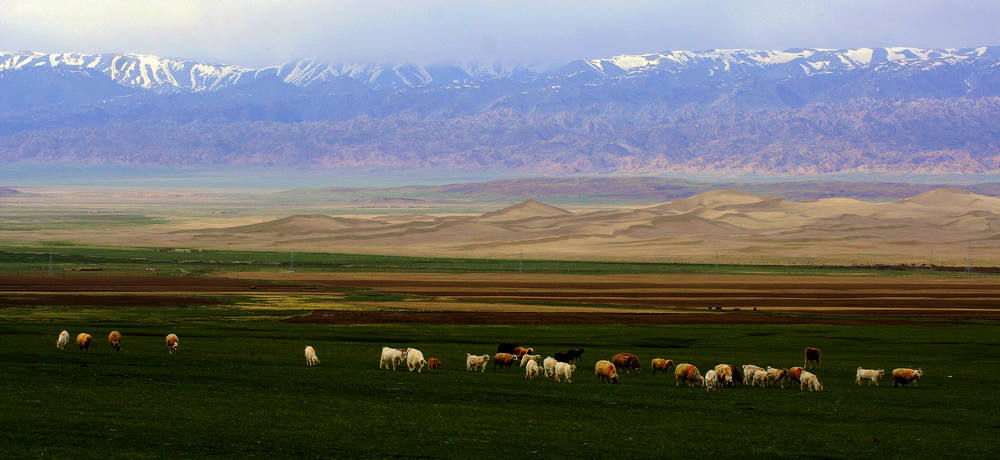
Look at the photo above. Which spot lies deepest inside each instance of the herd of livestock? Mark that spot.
(562, 365)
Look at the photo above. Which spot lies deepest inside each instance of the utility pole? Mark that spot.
(932, 259)
(968, 257)
(520, 263)
(50, 263)
(291, 263)
(716, 261)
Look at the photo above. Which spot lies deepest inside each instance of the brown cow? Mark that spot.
(83, 341)
(433, 363)
(115, 339)
(812, 355)
(504, 360)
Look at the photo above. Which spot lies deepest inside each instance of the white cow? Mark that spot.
(311, 359)
(415, 360)
(550, 366)
(565, 371)
(63, 340)
(391, 357)
(872, 375)
(476, 363)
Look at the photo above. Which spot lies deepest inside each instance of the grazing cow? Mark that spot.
(627, 362)
(759, 378)
(565, 370)
(311, 359)
(549, 364)
(474, 363)
(83, 341)
(63, 340)
(904, 377)
(812, 355)
(506, 347)
(415, 360)
(606, 371)
(685, 372)
(524, 359)
(433, 364)
(872, 375)
(724, 372)
(115, 339)
(662, 365)
(748, 372)
(711, 380)
(504, 360)
(173, 343)
(391, 357)
(774, 376)
(521, 351)
(794, 374)
(532, 370)
(809, 380)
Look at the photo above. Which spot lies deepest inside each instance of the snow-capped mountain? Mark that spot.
(766, 111)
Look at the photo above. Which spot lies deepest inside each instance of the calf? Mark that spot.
(504, 360)
(83, 341)
(391, 357)
(433, 364)
(662, 365)
(115, 339)
(565, 370)
(63, 340)
(904, 377)
(415, 360)
(685, 372)
(606, 371)
(872, 375)
(474, 363)
(532, 370)
(812, 356)
(311, 358)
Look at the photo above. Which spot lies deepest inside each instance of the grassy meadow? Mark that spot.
(239, 387)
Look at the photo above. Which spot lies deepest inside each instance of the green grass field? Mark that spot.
(239, 387)
(36, 259)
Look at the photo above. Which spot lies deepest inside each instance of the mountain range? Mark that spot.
(762, 111)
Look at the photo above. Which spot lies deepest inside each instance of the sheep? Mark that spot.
(173, 343)
(627, 362)
(83, 341)
(549, 364)
(415, 360)
(662, 365)
(605, 371)
(872, 375)
(724, 372)
(521, 351)
(311, 359)
(688, 373)
(474, 363)
(391, 357)
(775, 376)
(904, 377)
(62, 341)
(810, 381)
(532, 370)
(748, 372)
(504, 360)
(711, 380)
(524, 359)
(794, 374)
(433, 364)
(566, 371)
(759, 378)
(115, 339)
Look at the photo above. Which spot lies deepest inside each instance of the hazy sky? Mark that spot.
(255, 33)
